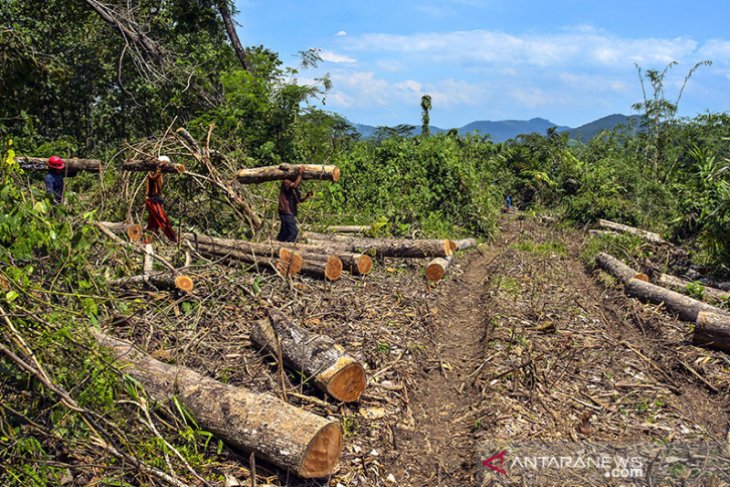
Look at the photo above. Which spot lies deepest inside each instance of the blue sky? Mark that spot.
(569, 61)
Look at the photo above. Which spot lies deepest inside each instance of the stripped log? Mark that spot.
(465, 243)
(160, 281)
(287, 171)
(618, 227)
(152, 165)
(712, 330)
(131, 230)
(682, 285)
(287, 436)
(402, 248)
(317, 356)
(436, 269)
(287, 263)
(618, 269)
(73, 165)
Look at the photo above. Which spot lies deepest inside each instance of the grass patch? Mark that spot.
(544, 249)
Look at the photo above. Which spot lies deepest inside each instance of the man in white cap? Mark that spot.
(157, 219)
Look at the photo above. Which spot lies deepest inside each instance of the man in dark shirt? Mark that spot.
(54, 179)
(289, 199)
(156, 217)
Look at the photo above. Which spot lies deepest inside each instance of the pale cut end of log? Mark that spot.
(345, 380)
(436, 269)
(336, 174)
(134, 232)
(333, 268)
(184, 283)
(323, 453)
(452, 245)
(290, 262)
(641, 277)
(364, 264)
(180, 168)
(448, 249)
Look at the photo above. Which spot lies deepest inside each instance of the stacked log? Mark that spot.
(402, 248)
(131, 230)
(355, 263)
(289, 437)
(152, 165)
(287, 263)
(73, 165)
(287, 171)
(317, 356)
(618, 227)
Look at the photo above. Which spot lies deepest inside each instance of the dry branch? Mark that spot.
(287, 171)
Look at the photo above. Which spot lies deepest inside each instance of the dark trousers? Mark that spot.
(289, 231)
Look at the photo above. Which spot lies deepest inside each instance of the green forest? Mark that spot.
(99, 80)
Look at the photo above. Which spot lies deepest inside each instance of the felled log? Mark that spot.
(355, 263)
(287, 263)
(73, 165)
(344, 228)
(328, 267)
(151, 165)
(280, 433)
(618, 269)
(287, 171)
(436, 269)
(602, 233)
(161, 281)
(131, 230)
(683, 306)
(712, 330)
(403, 248)
(680, 285)
(465, 243)
(317, 356)
(618, 227)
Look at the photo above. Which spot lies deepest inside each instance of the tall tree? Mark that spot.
(225, 12)
(425, 117)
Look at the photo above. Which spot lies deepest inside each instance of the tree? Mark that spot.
(425, 118)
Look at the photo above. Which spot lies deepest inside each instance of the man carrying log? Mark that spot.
(157, 219)
(289, 198)
(54, 179)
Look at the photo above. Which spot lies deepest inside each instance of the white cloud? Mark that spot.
(332, 57)
(341, 33)
(716, 50)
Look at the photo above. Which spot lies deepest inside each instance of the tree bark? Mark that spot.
(403, 248)
(318, 356)
(280, 433)
(161, 281)
(232, 34)
(712, 330)
(683, 306)
(618, 227)
(465, 243)
(287, 171)
(286, 263)
(72, 165)
(436, 269)
(618, 269)
(131, 230)
(153, 165)
(328, 267)
(680, 285)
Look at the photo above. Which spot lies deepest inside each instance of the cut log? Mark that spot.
(618, 227)
(287, 171)
(436, 269)
(326, 267)
(681, 285)
(289, 437)
(151, 165)
(618, 269)
(343, 228)
(317, 356)
(354, 263)
(712, 330)
(465, 243)
(131, 230)
(603, 233)
(73, 165)
(287, 263)
(161, 281)
(403, 248)
(683, 306)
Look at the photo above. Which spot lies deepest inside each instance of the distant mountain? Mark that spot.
(499, 131)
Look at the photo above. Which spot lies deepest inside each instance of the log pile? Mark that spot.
(287, 171)
(73, 165)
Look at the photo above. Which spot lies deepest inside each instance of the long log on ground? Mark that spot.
(149, 165)
(287, 263)
(603, 233)
(73, 165)
(160, 281)
(712, 330)
(280, 433)
(131, 230)
(436, 269)
(341, 228)
(465, 243)
(403, 248)
(681, 285)
(621, 228)
(287, 171)
(317, 356)
(618, 269)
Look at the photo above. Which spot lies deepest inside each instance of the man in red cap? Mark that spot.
(54, 179)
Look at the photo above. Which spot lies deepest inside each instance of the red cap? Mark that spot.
(55, 162)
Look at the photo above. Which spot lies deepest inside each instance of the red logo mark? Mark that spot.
(499, 459)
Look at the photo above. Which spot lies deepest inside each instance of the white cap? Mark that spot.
(163, 159)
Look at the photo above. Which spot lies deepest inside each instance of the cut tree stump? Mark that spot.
(680, 285)
(287, 171)
(161, 281)
(436, 269)
(152, 165)
(402, 248)
(618, 269)
(287, 436)
(73, 165)
(712, 330)
(131, 230)
(317, 356)
(618, 227)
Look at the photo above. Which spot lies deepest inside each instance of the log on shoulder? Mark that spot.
(151, 165)
(73, 165)
(403, 248)
(618, 269)
(436, 269)
(297, 440)
(131, 230)
(318, 356)
(621, 228)
(682, 285)
(287, 171)
(712, 330)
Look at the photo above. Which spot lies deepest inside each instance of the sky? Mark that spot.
(569, 61)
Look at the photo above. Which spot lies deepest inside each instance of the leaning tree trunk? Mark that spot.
(618, 269)
(712, 330)
(72, 165)
(131, 230)
(232, 34)
(160, 281)
(287, 171)
(618, 227)
(278, 432)
(149, 165)
(436, 269)
(681, 285)
(318, 356)
(403, 248)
